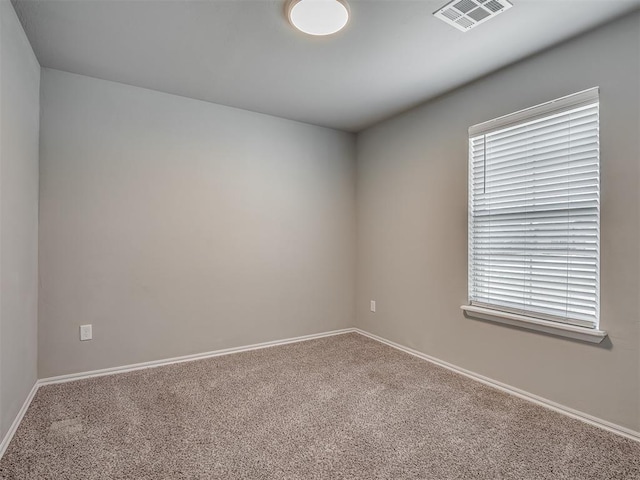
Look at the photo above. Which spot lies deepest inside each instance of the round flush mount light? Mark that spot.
(318, 17)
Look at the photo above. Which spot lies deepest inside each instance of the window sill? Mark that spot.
(553, 328)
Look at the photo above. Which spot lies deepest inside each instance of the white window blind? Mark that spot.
(534, 211)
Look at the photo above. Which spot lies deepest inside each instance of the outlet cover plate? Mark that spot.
(86, 332)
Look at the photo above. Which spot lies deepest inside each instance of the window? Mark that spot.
(534, 213)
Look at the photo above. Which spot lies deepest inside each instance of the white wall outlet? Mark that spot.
(85, 332)
(373, 306)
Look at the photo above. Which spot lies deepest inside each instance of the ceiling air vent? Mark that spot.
(466, 14)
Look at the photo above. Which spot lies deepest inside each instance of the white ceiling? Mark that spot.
(393, 54)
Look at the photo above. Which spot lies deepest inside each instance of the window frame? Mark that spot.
(585, 331)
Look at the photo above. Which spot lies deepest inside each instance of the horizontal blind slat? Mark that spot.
(562, 141)
(560, 289)
(586, 171)
(577, 160)
(543, 274)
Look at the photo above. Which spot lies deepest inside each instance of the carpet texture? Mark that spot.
(342, 407)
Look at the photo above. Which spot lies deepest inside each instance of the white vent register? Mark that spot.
(466, 14)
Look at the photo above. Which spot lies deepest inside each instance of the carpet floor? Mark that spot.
(342, 407)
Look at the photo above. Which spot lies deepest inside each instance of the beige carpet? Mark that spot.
(342, 407)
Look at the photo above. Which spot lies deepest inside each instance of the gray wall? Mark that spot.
(412, 229)
(176, 226)
(19, 117)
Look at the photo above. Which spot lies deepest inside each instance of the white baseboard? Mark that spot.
(16, 422)
(578, 415)
(186, 358)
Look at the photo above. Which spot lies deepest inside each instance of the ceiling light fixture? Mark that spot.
(318, 17)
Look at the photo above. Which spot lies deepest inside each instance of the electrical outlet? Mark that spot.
(85, 332)
(373, 306)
